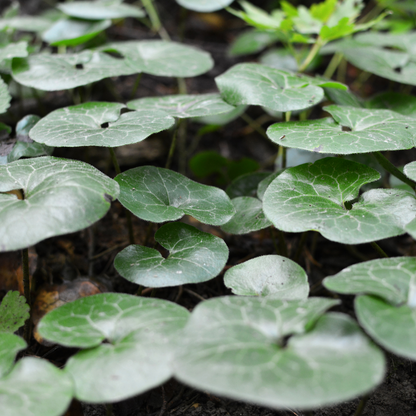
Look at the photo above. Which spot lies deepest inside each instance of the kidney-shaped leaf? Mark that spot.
(204, 5)
(272, 276)
(391, 326)
(10, 345)
(183, 106)
(35, 387)
(98, 124)
(163, 58)
(320, 196)
(256, 84)
(233, 347)
(355, 130)
(62, 72)
(159, 195)
(194, 257)
(61, 196)
(97, 10)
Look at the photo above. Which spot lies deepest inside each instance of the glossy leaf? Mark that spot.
(392, 279)
(14, 311)
(231, 342)
(252, 41)
(204, 5)
(410, 170)
(194, 257)
(224, 118)
(268, 276)
(321, 196)
(246, 185)
(183, 106)
(84, 125)
(279, 58)
(73, 32)
(394, 101)
(97, 10)
(5, 97)
(159, 195)
(35, 387)
(353, 130)
(10, 345)
(13, 50)
(393, 327)
(61, 196)
(61, 72)
(163, 58)
(256, 84)
(248, 217)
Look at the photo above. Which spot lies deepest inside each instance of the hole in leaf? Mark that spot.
(79, 66)
(126, 110)
(348, 205)
(104, 125)
(346, 128)
(108, 198)
(114, 54)
(398, 70)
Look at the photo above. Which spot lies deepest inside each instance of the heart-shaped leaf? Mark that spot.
(14, 311)
(163, 58)
(73, 32)
(393, 327)
(84, 125)
(10, 345)
(183, 106)
(159, 195)
(97, 10)
(35, 387)
(130, 343)
(204, 5)
(62, 72)
(269, 276)
(5, 97)
(194, 257)
(248, 217)
(229, 342)
(13, 50)
(256, 84)
(61, 196)
(320, 197)
(355, 130)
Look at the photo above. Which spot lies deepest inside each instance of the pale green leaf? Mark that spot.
(204, 6)
(13, 50)
(5, 97)
(10, 345)
(252, 41)
(97, 10)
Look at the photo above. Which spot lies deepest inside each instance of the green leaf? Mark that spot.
(204, 6)
(392, 327)
(85, 125)
(26, 23)
(224, 118)
(246, 185)
(231, 341)
(129, 343)
(392, 279)
(194, 257)
(62, 72)
(323, 11)
(13, 50)
(5, 97)
(10, 345)
(183, 106)
(73, 32)
(248, 217)
(255, 84)
(305, 23)
(257, 17)
(163, 58)
(61, 196)
(159, 195)
(279, 58)
(269, 276)
(14, 311)
(252, 41)
(97, 10)
(345, 98)
(394, 101)
(410, 170)
(35, 387)
(264, 184)
(353, 130)
(321, 197)
(342, 29)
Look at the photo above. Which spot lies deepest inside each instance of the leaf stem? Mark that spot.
(26, 289)
(379, 250)
(114, 160)
(282, 243)
(136, 85)
(389, 167)
(173, 145)
(154, 18)
(311, 55)
(254, 125)
(333, 65)
(301, 244)
(361, 405)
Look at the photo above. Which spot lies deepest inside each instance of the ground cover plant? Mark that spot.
(140, 274)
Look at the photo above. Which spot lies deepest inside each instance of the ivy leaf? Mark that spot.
(183, 106)
(97, 10)
(194, 257)
(353, 130)
(159, 195)
(5, 97)
(85, 125)
(13, 50)
(269, 276)
(321, 196)
(204, 6)
(35, 387)
(14, 311)
(256, 84)
(61, 196)
(62, 72)
(162, 58)
(10, 345)
(231, 341)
